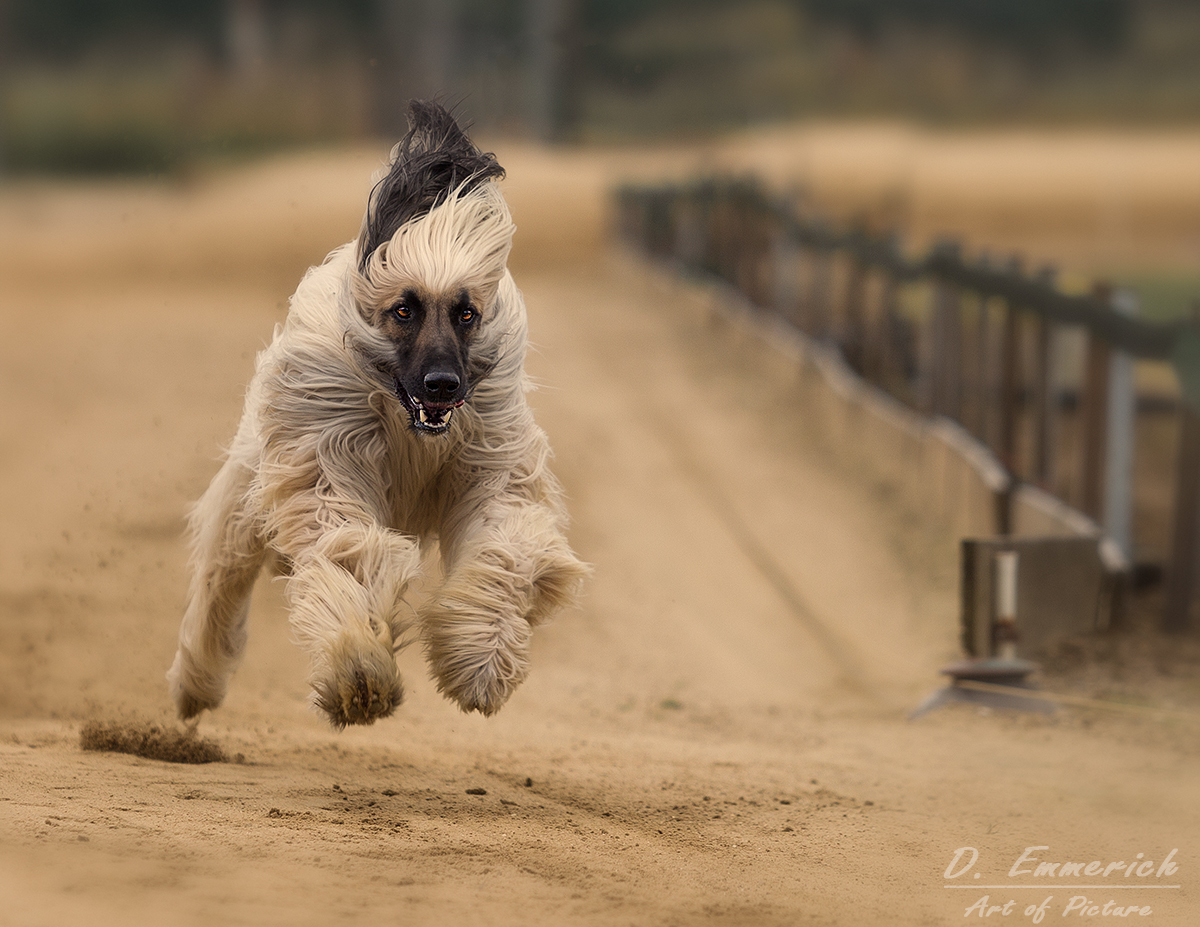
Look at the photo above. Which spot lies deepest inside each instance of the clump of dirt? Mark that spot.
(151, 741)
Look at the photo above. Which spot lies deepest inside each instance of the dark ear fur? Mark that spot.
(433, 159)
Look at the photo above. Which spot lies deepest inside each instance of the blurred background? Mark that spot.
(149, 85)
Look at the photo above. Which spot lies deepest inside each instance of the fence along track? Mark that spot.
(735, 230)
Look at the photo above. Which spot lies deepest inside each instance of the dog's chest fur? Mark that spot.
(420, 474)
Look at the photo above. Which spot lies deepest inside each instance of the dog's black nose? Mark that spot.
(441, 385)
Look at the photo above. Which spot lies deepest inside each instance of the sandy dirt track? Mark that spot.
(717, 736)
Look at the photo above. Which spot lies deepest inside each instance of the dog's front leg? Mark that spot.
(345, 594)
(507, 569)
(323, 487)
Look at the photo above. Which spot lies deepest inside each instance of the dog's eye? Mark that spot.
(466, 316)
(401, 312)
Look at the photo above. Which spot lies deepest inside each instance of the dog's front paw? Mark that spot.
(360, 684)
(478, 657)
(192, 690)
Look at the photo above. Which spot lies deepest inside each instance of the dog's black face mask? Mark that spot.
(430, 331)
(431, 334)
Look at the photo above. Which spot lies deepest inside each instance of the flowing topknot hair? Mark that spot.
(434, 159)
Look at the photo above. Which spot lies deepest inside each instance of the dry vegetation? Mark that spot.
(1093, 202)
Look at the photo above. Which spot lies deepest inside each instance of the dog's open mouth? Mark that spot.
(428, 417)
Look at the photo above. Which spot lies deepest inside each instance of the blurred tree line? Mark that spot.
(111, 85)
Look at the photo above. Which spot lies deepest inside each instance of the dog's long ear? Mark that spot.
(432, 160)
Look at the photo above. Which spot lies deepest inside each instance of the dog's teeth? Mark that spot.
(421, 414)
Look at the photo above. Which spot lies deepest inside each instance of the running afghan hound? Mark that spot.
(388, 413)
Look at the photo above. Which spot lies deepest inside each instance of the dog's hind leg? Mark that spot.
(507, 569)
(227, 553)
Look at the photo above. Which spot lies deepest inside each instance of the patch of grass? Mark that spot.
(71, 147)
(158, 115)
(1166, 295)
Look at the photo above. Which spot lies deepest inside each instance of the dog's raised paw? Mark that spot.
(360, 688)
(478, 661)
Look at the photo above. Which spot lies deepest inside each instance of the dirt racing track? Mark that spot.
(718, 736)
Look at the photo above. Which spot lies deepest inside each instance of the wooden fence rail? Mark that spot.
(984, 354)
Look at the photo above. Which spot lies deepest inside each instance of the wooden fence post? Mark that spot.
(1010, 388)
(1119, 435)
(710, 211)
(890, 366)
(742, 239)
(804, 274)
(725, 233)
(946, 368)
(690, 245)
(759, 238)
(737, 243)
(981, 376)
(662, 238)
(1183, 572)
(927, 338)
(1047, 402)
(1185, 541)
(875, 325)
(785, 275)
(819, 289)
(854, 331)
(1093, 413)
